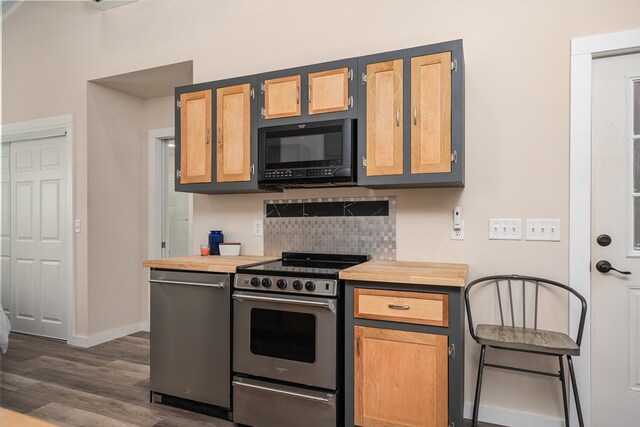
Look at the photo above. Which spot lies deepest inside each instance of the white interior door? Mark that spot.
(38, 243)
(615, 297)
(5, 232)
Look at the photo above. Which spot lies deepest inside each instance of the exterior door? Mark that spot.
(615, 297)
(38, 230)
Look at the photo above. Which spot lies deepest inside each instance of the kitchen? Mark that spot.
(110, 151)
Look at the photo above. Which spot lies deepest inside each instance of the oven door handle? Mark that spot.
(324, 304)
(284, 392)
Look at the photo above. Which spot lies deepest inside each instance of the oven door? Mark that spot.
(286, 337)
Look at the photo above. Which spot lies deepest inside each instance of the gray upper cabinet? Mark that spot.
(216, 136)
(319, 92)
(409, 106)
(411, 117)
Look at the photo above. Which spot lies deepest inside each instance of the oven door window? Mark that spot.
(283, 334)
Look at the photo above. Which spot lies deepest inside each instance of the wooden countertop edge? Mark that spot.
(410, 272)
(226, 264)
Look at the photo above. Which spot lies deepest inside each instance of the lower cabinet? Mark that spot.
(400, 378)
(404, 355)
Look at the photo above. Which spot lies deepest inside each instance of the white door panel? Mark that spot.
(38, 270)
(615, 297)
(5, 232)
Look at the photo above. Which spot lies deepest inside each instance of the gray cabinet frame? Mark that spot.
(455, 178)
(455, 332)
(221, 187)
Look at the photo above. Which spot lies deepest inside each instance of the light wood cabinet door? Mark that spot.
(282, 97)
(431, 113)
(195, 137)
(401, 378)
(233, 133)
(384, 118)
(329, 91)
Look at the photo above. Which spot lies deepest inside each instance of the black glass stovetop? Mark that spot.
(306, 263)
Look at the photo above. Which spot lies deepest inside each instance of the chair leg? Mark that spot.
(476, 401)
(564, 392)
(575, 391)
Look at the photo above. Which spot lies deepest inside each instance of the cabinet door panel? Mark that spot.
(431, 113)
(401, 378)
(384, 118)
(282, 97)
(195, 137)
(329, 91)
(233, 118)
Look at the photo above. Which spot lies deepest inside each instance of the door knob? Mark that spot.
(605, 266)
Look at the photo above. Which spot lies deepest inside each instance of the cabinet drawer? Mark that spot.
(397, 306)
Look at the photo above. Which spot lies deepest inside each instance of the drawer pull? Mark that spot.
(399, 307)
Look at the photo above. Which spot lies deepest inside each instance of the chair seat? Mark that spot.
(526, 339)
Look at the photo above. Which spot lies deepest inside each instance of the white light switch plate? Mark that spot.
(257, 227)
(505, 229)
(543, 229)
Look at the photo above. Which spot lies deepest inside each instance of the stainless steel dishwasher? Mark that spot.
(190, 338)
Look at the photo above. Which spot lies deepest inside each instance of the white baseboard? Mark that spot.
(510, 417)
(146, 326)
(85, 342)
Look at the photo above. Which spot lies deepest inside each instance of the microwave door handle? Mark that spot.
(324, 304)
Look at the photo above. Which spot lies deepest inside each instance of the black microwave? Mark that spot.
(316, 154)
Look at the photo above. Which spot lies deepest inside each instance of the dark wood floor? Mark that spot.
(106, 385)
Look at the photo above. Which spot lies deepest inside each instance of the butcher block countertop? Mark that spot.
(417, 273)
(212, 264)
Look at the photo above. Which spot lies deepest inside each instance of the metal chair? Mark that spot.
(517, 328)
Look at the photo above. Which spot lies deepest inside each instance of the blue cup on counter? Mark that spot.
(215, 238)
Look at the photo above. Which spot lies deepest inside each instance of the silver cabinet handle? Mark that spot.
(309, 94)
(397, 117)
(260, 298)
(399, 307)
(415, 115)
(284, 392)
(175, 282)
(297, 94)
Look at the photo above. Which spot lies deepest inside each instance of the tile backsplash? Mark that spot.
(350, 225)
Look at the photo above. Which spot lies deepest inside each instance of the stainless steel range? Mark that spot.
(287, 341)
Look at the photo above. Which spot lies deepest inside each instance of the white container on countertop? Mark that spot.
(230, 249)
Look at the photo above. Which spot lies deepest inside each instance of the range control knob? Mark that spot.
(281, 283)
(266, 282)
(297, 285)
(310, 286)
(255, 282)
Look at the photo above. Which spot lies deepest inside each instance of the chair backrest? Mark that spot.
(520, 301)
